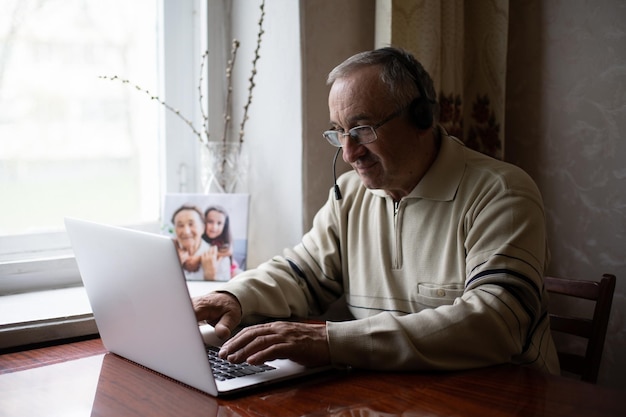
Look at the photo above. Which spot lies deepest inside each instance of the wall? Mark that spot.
(274, 129)
(566, 126)
(323, 23)
(289, 161)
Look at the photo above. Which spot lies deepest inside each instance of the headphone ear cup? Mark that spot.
(421, 113)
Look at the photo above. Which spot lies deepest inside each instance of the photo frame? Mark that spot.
(210, 232)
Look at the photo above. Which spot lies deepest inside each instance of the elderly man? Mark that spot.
(438, 250)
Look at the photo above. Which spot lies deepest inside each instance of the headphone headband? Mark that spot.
(411, 65)
(422, 106)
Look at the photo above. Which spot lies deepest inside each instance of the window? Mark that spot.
(75, 144)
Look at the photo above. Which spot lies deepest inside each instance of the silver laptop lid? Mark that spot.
(140, 300)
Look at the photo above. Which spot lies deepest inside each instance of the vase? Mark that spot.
(223, 167)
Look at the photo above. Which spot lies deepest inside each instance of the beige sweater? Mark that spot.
(452, 280)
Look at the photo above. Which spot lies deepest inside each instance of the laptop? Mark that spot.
(143, 310)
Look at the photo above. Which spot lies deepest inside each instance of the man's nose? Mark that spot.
(352, 150)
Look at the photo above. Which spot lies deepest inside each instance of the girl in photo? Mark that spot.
(220, 263)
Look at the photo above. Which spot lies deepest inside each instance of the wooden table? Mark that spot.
(80, 379)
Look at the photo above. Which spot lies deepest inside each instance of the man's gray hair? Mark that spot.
(400, 71)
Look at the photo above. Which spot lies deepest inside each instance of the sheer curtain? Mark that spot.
(463, 45)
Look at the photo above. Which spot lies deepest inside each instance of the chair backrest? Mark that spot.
(593, 329)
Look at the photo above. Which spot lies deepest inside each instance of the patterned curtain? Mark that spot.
(463, 45)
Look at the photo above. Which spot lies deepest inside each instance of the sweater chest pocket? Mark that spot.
(435, 295)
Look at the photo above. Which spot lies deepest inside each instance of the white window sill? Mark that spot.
(49, 315)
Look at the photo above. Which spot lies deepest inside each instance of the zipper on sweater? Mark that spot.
(397, 260)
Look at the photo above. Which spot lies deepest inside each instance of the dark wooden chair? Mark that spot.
(593, 329)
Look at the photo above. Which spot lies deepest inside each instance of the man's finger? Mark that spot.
(224, 327)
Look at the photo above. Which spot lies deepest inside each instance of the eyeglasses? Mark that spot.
(360, 134)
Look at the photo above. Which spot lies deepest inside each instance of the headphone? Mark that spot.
(421, 108)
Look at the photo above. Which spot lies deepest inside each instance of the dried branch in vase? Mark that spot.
(251, 79)
(203, 133)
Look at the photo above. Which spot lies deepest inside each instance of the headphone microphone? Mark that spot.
(337, 190)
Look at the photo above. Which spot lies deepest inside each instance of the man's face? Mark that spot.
(388, 163)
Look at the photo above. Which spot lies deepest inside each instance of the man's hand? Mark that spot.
(304, 343)
(221, 310)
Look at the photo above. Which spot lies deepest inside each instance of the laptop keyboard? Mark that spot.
(223, 370)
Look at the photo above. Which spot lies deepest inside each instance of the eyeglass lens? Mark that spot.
(361, 134)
